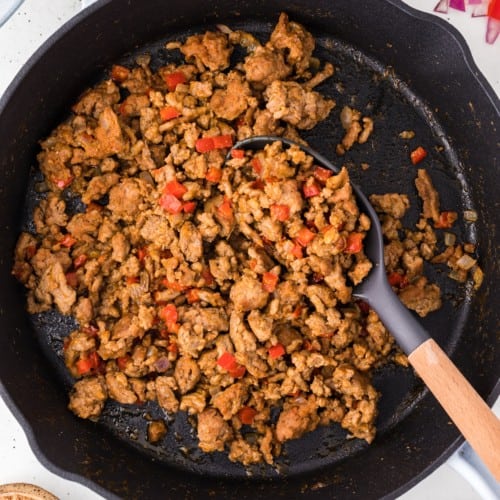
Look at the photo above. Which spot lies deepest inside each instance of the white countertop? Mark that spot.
(19, 38)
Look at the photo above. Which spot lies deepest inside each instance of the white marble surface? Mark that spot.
(19, 38)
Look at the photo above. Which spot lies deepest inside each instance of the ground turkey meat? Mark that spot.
(213, 280)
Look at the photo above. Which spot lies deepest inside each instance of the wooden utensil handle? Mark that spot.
(466, 408)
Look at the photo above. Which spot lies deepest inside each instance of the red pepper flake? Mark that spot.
(119, 73)
(269, 281)
(238, 153)
(305, 236)
(214, 174)
(322, 174)
(247, 415)
(276, 351)
(417, 155)
(169, 113)
(354, 243)
(280, 212)
(170, 203)
(446, 220)
(68, 240)
(174, 79)
(311, 189)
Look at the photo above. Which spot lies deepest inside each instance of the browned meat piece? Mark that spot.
(54, 162)
(261, 325)
(209, 50)
(157, 430)
(355, 132)
(86, 223)
(213, 431)
(165, 394)
(88, 396)
(121, 247)
(393, 204)
(247, 294)
(290, 102)
(119, 388)
(190, 242)
(53, 287)
(230, 400)
(243, 452)
(107, 139)
(421, 297)
(232, 101)
(264, 65)
(99, 186)
(84, 310)
(296, 420)
(294, 41)
(94, 101)
(127, 198)
(186, 373)
(51, 211)
(127, 328)
(428, 194)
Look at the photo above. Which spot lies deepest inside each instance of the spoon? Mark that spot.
(472, 416)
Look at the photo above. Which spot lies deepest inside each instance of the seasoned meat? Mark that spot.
(429, 195)
(213, 431)
(88, 397)
(210, 50)
(265, 65)
(232, 101)
(421, 297)
(230, 400)
(186, 373)
(297, 419)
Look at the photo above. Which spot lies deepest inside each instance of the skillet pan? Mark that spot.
(433, 89)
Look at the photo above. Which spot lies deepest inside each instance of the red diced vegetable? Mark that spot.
(322, 174)
(238, 371)
(170, 203)
(169, 113)
(494, 9)
(227, 361)
(397, 280)
(189, 207)
(417, 155)
(169, 314)
(88, 364)
(276, 351)
(223, 141)
(142, 253)
(174, 79)
(269, 281)
(214, 174)
(354, 243)
(72, 279)
(258, 184)
(68, 240)
(174, 285)
(119, 73)
(131, 280)
(446, 220)
(63, 183)
(207, 276)
(192, 295)
(246, 415)
(280, 212)
(238, 153)
(79, 261)
(175, 188)
(256, 165)
(305, 236)
(296, 251)
(311, 189)
(122, 362)
(225, 209)
(204, 145)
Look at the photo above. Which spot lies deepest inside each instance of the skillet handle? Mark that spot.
(460, 400)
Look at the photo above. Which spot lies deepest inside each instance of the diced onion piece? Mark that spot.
(449, 239)
(466, 262)
(457, 275)
(477, 276)
(470, 215)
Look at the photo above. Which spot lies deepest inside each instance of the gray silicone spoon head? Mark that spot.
(375, 288)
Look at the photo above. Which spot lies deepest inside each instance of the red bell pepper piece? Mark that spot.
(223, 141)
(214, 174)
(311, 189)
(269, 281)
(417, 155)
(169, 113)
(225, 210)
(276, 351)
(238, 153)
(174, 79)
(446, 220)
(280, 212)
(175, 188)
(189, 207)
(246, 415)
(170, 203)
(322, 174)
(354, 243)
(68, 240)
(305, 236)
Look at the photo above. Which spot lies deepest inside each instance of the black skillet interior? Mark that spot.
(457, 123)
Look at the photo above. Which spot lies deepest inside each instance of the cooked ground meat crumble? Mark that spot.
(222, 289)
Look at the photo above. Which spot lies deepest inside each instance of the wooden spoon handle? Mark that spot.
(466, 408)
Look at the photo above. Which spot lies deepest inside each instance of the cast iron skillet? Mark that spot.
(437, 92)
